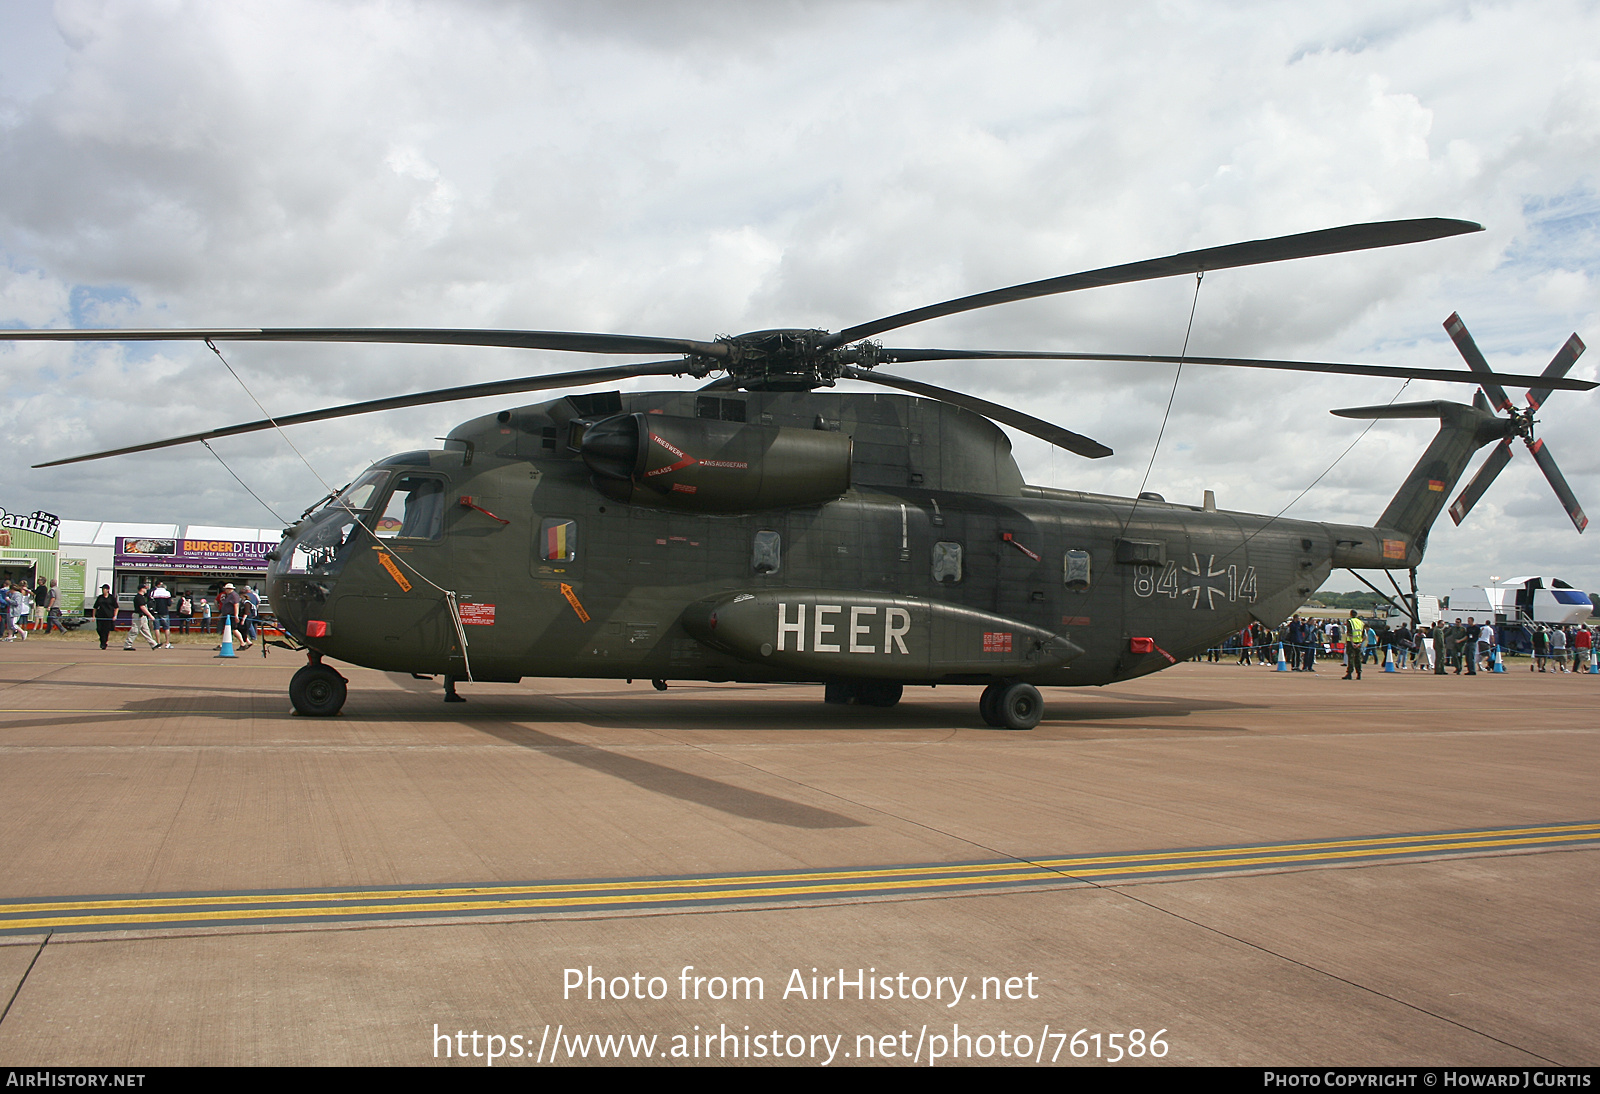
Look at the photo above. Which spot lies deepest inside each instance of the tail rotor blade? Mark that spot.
(1558, 482)
(1474, 357)
(1557, 368)
(1480, 482)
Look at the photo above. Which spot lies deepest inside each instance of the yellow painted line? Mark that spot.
(402, 910)
(643, 889)
(446, 902)
(1273, 854)
(584, 898)
(1400, 844)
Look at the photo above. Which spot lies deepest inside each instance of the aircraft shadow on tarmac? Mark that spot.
(673, 783)
(508, 717)
(653, 777)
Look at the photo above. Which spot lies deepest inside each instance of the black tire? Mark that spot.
(989, 705)
(838, 691)
(1021, 706)
(317, 691)
(877, 694)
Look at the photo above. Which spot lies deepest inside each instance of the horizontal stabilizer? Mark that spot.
(1431, 409)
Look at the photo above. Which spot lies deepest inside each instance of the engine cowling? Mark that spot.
(712, 466)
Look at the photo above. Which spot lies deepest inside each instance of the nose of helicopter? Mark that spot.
(298, 600)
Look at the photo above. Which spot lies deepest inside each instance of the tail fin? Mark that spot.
(1422, 497)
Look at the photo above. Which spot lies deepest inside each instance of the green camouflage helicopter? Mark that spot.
(760, 529)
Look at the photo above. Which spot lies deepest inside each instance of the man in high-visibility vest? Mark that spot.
(1354, 632)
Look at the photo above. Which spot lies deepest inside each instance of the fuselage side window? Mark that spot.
(1075, 570)
(766, 552)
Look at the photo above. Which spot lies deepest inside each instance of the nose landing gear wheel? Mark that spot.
(1011, 706)
(317, 691)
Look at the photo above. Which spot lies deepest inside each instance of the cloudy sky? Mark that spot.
(702, 168)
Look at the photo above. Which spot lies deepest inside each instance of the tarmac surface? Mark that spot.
(1213, 865)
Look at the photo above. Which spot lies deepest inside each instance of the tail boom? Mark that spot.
(1400, 537)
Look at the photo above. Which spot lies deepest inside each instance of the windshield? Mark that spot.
(358, 495)
(320, 548)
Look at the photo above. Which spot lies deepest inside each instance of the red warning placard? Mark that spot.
(478, 615)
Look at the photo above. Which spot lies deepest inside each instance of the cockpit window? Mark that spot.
(415, 509)
(326, 540)
(358, 495)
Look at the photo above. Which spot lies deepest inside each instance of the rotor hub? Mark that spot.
(1522, 422)
(788, 359)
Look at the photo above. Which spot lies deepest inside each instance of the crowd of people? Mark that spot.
(24, 609)
(157, 612)
(19, 604)
(1458, 645)
(154, 608)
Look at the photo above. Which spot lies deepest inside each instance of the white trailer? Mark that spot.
(1428, 612)
(1523, 599)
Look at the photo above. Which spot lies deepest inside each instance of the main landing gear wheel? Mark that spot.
(878, 694)
(1011, 706)
(868, 693)
(989, 705)
(317, 691)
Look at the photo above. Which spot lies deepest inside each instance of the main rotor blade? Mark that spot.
(1474, 358)
(578, 342)
(1480, 482)
(421, 398)
(1564, 359)
(1351, 237)
(1558, 482)
(1448, 375)
(1027, 423)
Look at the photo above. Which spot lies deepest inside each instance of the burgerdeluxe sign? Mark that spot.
(191, 554)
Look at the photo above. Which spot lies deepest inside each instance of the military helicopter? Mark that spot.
(765, 529)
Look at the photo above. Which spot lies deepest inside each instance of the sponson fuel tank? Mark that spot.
(713, 466)
(839, 632)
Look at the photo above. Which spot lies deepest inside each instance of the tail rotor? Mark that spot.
(1521, 420)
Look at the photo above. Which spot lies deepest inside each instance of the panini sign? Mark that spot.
(38, 522)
